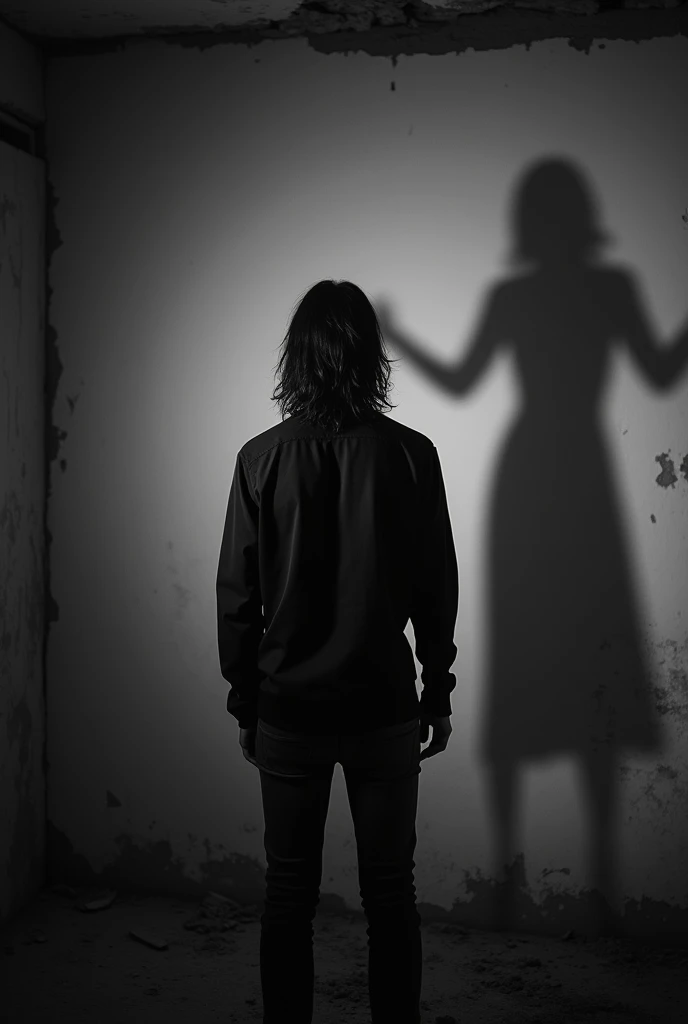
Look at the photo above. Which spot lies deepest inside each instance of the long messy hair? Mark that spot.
(334, 367)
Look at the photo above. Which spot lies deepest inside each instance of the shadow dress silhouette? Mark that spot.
(566, 673)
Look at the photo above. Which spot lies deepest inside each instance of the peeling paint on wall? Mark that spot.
(154, 867)
(661, 785)
(394, 27)
(667, 478)
(671, 694)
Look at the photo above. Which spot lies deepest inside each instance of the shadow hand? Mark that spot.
(383, 310)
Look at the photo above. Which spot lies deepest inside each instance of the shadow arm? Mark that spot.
(457, 378)
(662, 365)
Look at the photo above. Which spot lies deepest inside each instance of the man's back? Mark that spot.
(342, 537)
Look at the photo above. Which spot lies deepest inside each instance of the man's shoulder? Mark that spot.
(293, 428)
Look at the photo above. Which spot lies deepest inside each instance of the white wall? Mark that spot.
(198, 194)
(22, 312)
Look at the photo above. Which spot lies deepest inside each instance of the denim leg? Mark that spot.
(384, 815)
(295, 812)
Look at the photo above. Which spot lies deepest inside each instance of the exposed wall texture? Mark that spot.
(22, 313)
(21, 77)
(198, 192)
(354, 24)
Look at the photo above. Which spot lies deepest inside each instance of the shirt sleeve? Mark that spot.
(240, 621)
(435, 603)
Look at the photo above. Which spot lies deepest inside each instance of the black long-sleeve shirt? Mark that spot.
(332, 541)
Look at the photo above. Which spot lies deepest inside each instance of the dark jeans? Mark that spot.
(381, 771)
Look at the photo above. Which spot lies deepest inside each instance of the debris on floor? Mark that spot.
(87, 955)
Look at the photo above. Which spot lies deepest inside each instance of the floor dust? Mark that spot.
(87, 957)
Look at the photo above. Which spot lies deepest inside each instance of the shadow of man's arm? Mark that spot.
(662, 365)
(459, 378)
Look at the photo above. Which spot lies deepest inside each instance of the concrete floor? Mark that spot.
(61, 962)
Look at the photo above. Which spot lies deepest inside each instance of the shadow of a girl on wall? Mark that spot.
(566, 672)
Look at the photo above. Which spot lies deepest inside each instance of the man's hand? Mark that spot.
(247, 739)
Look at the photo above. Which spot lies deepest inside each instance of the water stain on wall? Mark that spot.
(7, 207)
(154, 868)
(183, 594)
(10, 517)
